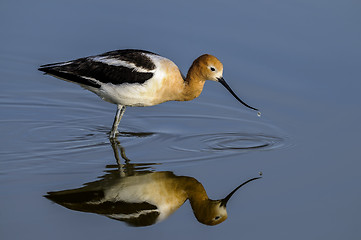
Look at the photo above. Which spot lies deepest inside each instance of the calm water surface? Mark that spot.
(298, 62)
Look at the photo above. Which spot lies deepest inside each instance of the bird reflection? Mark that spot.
(140, 196)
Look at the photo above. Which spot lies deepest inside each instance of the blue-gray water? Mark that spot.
(297, 61)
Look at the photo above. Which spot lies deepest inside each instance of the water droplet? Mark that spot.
(260, 173)
(258, 114)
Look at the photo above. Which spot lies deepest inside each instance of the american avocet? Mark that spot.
(144, 198)
(139, 78)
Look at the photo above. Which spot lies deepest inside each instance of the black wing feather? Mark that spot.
(86, 202)
(80, 70)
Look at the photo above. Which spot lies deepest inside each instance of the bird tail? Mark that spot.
(60, 71)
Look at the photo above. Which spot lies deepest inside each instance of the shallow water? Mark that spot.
(298, 62)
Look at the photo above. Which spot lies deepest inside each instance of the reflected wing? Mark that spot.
(135, 214)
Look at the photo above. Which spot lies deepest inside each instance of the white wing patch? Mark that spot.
(131, 215)
(58, 64)
(117, 62)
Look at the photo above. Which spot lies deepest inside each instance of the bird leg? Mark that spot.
(118, 116)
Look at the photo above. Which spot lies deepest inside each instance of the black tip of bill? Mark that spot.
(223, 82)
(225, 200)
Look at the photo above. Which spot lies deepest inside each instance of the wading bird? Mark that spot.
(144, 198)
(139, 78)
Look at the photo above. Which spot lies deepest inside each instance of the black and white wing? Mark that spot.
(116, 67)
(135, 214)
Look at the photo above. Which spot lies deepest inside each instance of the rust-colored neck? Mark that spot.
(194, 81)
(204, 209)
(195, 191)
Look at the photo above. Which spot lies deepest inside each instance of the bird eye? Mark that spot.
(217, 217)
(212, 69)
